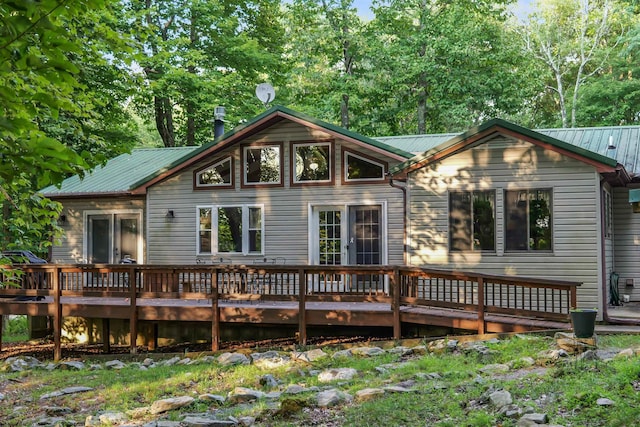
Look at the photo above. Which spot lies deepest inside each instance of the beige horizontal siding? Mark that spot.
(626, 233)
(500, 165)
(286, 223)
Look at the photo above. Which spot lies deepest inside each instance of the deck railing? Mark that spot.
(397, 286)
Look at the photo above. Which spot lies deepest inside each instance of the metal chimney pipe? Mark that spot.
(218, 122)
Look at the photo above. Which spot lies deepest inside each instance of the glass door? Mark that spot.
(113, 238)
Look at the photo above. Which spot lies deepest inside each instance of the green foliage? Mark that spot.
(15, 329)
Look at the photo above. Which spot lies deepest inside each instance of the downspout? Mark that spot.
(606, 276)
(404, 216)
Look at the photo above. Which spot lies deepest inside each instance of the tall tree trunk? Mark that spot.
(344, 111)
(190, 108)
(164, 120)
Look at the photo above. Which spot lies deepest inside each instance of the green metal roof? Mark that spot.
(123, 173)
(429, 145)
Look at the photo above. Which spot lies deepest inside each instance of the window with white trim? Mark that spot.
(311, 162)
(230, 229)
(608, 215)
(216, 175)
(528, 215)
(359, 168)
(262, 164)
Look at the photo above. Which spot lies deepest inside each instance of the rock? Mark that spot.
(332, 397)
(588, 355)
(246, 421)
(71, 365)
(441, 346)
(163, 423)
(290, 406)
(230, 359)
(165, 405)
(309, 356)
(626, 353)
(573, 345)
(419, 349)
(329, 375)
(523, 362)
(114, 364)
(511, 411)
(398, 389)
(496, 368)
(272, 363)
(367, 351)
(500, 398)
(148, 362)
(185, 361)
(170, 362)
(367, 394)
(269, 381)
(243, 395)
(198, 421)
(266, 355)
(603, 401)
(112, 418)
(215, 398)
(20, 364)
(68, 390)
(294, 389)
(534, 418)
(56, 410)
(342, 354)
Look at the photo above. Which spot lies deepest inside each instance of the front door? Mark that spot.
(347, 235)
(113, 237)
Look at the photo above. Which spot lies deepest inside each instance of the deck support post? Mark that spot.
(395, 303)
(1, 329)
(133, 311)
(481, 307)
(215, 312)
(106, 335)
(302, 307)
(57, 316)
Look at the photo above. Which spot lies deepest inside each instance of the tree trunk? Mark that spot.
(344, 111)
(164, 120)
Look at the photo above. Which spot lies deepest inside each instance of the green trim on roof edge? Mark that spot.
(512, 127)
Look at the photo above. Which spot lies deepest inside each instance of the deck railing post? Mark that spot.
(57, 316)
(395, 303)
(133, 311)
(215, 311)
(302, 307)
(481, 306)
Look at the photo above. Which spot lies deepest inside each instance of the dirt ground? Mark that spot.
(43, 349)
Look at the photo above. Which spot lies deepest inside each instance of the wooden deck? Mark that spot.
(272, 295)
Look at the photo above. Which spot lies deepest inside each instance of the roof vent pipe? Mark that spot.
(611, 145)
(218, 122)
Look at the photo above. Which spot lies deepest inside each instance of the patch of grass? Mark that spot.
(446, 389)
(15, 329)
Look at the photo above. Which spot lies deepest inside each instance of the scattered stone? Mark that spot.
(398, 389)
(367, 351)
(56, 410)
(534, 418)
(198, 421)
(114, 364)
(68, 390)
(342, 354)
(294, 389)
(166, 405)
(332, 397)
(309, 356)
(603, 401)
(626, 353)
(344, 374)
(573, 345)
(367, 394)
(244, 395)
(112, 418)
(215, 398)
(170, 362)
(185, 361)
(500, 398)
(272, 363)
(419, 349)
(442, 346)
(511, 411)
(230, 359)
(71, 365)
(268, 381)
(496, 368)
(588, 355)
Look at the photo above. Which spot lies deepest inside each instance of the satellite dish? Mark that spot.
(265, 93)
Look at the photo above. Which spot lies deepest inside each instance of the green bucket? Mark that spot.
(584, 322)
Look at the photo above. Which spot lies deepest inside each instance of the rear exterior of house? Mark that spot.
(284, 189)
(501, 202)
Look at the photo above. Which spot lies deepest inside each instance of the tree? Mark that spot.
(37, 81)
(572, 39)
(197, 54)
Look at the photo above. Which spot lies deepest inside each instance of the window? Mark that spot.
(262, 165)
(230, 229)
(312, 163)
(528, 220)
(472, 221)
(359, 168)
(217, 174)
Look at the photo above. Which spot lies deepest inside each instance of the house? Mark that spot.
(288, 188)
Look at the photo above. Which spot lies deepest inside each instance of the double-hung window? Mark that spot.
(472, 221)
(528, 215)
(230, 229)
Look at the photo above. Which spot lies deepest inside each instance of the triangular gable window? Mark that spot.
(358, 168)
(219, 174)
